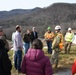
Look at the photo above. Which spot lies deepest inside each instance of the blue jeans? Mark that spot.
(49, 45)
(18, 59)
(26, 47)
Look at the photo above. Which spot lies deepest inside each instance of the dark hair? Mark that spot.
(37, 44)
(17, 27)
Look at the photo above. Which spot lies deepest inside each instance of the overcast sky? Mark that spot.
(28, 4)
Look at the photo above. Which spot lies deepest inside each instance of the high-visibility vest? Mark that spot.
(61, 43)
(49, 35)
(69, 37)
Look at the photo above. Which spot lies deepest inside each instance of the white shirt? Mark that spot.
(17, 41)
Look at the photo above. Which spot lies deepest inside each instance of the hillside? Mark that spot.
(63, 14)
(16, 12)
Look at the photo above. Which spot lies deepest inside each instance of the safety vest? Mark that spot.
(58, 41)
(69, 37)
(49, 35)
(61, 44)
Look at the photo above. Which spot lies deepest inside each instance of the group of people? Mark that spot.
(28, 38)
(53, 42)
(34, 61)
(66, 40)
(56, 42)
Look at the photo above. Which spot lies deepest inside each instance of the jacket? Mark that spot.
(49, 35)
(57, 40)
(36, 63)
(5, 63)
(34, 36)
(27, 38)
(74, 68)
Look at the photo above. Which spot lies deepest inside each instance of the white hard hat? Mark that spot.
(69, 29)
(57, 27)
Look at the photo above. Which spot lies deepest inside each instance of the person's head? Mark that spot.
(33, 29)
(28, 31)
(69, 29)
(49, 29)
(1, 31)
(18, 28)
(57, 28)
(37, 44)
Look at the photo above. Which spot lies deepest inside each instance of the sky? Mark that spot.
(6, 5)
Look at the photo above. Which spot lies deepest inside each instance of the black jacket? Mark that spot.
(5, 63)
(34, 37)
(27, 38)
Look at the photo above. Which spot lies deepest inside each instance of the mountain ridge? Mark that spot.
(63, 14)
(13, 12)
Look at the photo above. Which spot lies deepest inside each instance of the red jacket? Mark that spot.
(74, 68)
(36, 63)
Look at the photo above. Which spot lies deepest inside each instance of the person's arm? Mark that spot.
(23, 66)
(36, 34)
(48, 68)
(7, 46)
(52, 35)
(65, 36)
(6, 63)
(32, 37)
(25, 37)
(45, 36)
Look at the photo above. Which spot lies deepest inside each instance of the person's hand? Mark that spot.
(50, 39)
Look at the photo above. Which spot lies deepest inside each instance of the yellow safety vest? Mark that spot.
(69, 37)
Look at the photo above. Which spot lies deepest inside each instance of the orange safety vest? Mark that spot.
(49, 35)
(61, 43)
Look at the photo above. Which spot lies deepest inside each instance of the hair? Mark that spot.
(37, 44)
(17, 27)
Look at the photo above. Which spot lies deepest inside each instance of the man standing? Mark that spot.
(68, 40)
(18, 48)
(55, 46)
(49, 36)
(34, 34)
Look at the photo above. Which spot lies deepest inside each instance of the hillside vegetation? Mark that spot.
(63, 14)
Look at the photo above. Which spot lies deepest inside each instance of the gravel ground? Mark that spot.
(67, 72)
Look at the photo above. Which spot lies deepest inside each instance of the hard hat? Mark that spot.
(69, 29)
(49, 28)
(57, 27)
